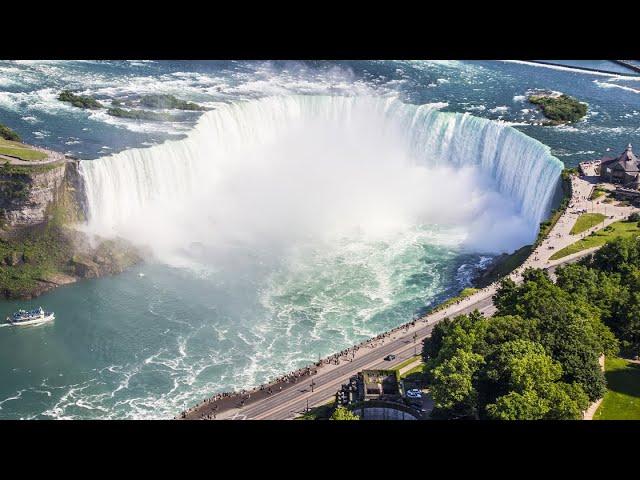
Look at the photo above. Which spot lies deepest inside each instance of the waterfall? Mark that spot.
(126, 184)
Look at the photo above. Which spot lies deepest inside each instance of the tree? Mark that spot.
(509, 328)
(627, 325)
(616, 255)
(569, 327)
(342, 413)
(524, 365)
(452, 387)
(531, 386)
(518, 406)
(517, 365)
(506, 297)
(566, 401)
(432, 344)
(634, 217)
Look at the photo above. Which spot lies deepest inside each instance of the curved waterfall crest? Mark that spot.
(120, 184)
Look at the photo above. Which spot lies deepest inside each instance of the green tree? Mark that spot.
(342, 413)
(506, 297)
(452, 387)
(518, 406)
(529, 382)
(616, 255)
(432, 344)
(507, 328)
(627, 325)
(569, 326)
(566, 401)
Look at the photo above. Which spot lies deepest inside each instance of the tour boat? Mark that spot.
(32, 317)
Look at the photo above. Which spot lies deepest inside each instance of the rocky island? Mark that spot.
(558, 107)
(155, 101)
(41, 200)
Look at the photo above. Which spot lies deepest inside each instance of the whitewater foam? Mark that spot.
(225, 154)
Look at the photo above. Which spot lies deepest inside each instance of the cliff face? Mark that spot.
(39, 247)
(29, 196)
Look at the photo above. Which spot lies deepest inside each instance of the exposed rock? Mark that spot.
(84, 267)
(28, 194)
(39, 247)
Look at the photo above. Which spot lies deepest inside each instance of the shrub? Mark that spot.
(8, 134)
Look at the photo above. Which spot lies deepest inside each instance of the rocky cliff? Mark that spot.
(29, 195)
(39, 247)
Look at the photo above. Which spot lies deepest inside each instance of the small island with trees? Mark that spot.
(155, 101)
(558, 107)
(80, 101)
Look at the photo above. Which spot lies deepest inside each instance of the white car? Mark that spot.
(414, 393)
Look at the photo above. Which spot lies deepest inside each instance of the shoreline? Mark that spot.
(594, 71)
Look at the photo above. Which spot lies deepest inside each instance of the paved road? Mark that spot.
(289, 402)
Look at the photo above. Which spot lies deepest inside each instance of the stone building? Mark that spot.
(623, 170)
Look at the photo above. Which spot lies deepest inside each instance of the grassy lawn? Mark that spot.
(20, 150)
(467, 292)
(407, 362)
(586, 221)
(415, 370)
(597, 193)
(622, 400)
(599, 238)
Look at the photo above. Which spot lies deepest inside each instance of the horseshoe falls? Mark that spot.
(281, 229)
(254, 172)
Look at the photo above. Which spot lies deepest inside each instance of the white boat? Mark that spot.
(32, 317)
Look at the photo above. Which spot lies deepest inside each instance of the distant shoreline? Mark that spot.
(578, 69)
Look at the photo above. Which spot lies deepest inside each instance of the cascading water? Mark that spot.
(147, 193)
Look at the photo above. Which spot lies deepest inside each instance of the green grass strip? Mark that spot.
(599, 238)
(586, 221)
(622, 400)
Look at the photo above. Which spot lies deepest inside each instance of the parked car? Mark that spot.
(414, 393)
(390, 357)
